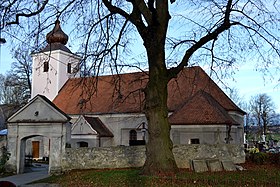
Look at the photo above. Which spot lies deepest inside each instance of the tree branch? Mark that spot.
(143, 9)
(137, 22)
(28, 15)
(205, 39)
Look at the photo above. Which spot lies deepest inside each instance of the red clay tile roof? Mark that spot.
(122, 93)
(105, 94)
(97, 125)
(202, 108)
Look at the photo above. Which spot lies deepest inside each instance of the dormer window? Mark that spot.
(69, 68)
(46, 66)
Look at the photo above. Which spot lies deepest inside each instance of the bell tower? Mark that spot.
(53, 65)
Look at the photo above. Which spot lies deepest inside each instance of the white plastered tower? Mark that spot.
(54, 65)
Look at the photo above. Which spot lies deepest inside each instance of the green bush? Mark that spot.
(259, 158)
(4, 158)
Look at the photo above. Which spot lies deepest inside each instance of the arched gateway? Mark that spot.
(39, 118)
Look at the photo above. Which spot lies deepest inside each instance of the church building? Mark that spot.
(108, 110)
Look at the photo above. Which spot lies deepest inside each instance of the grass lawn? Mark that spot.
(254, 175)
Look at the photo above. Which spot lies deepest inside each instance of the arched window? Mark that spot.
(132, 135)
(82, 144)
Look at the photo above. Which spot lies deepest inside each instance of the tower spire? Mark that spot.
(57, 35)
(56, 39)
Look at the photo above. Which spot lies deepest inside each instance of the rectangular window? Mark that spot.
(46, 66)
(69, 68)
(82, 144)
(195, 141)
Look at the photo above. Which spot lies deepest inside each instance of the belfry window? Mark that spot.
(69, 68)
(46, 66)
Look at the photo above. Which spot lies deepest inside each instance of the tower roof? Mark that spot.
(56, 39)
(57, 35)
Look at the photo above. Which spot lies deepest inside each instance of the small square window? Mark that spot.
(82, 144)
(195, 141)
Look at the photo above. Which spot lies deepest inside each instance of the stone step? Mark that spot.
(214, 165)
(228, 165)
(203, 165)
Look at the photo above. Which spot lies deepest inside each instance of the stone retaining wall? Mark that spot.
(134, 156)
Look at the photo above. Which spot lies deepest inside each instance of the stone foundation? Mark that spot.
(134, 156)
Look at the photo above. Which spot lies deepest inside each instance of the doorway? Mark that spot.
(35, 149)
(38, 120)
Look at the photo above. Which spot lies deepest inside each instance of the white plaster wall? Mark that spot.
(49, 83)
(38, 112)
(91, 139)
(82, 127)
(214, 134)
(119, 125)
(82, 131)
(240, 129)
(106, 141)
(237, 117)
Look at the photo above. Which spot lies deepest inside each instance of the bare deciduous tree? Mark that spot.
(13, 91)
(174, 34)
(262, 111)
(22, 68)
(16, 85)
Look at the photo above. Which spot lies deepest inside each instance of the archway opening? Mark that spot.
(34, 154)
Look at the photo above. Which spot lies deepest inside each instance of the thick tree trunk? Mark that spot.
(160, 159)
